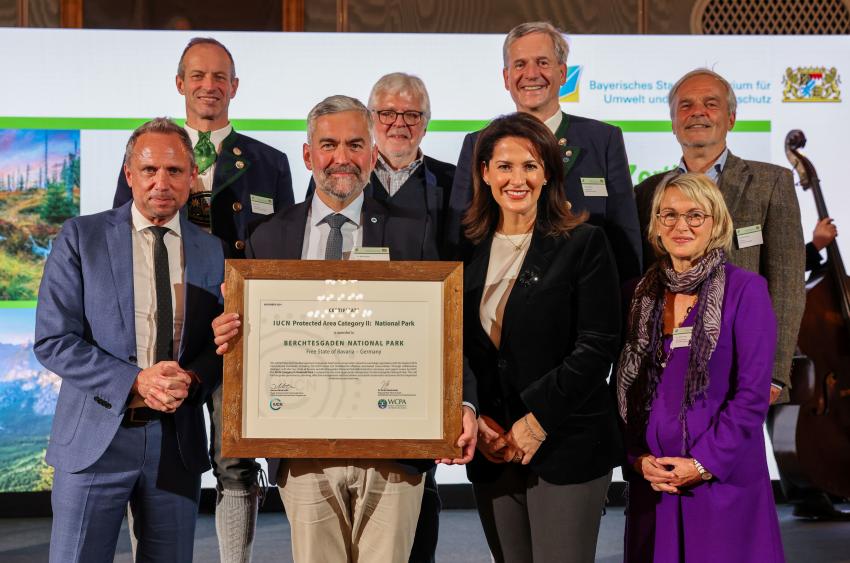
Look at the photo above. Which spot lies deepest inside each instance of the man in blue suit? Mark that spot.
(123, 317)
(597, 178)
(240, 180)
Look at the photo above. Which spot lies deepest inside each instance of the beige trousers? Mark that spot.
(350, 510)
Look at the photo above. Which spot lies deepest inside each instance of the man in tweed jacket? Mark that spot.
(758, 194)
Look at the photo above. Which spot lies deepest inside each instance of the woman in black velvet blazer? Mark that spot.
(548, 435)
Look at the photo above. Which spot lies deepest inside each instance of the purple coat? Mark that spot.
(733, 517)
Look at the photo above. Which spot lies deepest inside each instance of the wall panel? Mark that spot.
(486, 16)
(245, 15)
(320, 15)
(8, 13)
(43, 13)
(669, 16)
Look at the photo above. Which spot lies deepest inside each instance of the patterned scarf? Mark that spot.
(640, 363)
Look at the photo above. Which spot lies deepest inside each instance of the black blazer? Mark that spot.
(435, 184)
(405, 233)
(560, 335)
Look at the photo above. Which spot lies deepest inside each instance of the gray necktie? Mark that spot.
(164, 311)
(333, 249)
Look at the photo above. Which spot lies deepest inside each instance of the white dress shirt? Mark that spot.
(144, 287)
(317, 230)
(555, 121)
(204, 182)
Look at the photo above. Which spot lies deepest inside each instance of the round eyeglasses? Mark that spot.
(388, 116)
(692, 218)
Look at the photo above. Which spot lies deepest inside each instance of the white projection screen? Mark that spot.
(70, 98)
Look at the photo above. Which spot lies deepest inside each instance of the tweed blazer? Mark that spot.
(758, 193)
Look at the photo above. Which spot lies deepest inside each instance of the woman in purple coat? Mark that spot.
(693, 388)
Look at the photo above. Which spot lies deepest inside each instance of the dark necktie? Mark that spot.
(164, 311)
(333, 248)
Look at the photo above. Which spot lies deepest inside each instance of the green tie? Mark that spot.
(204, 152)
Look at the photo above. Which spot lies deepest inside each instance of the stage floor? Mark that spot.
(26, 540)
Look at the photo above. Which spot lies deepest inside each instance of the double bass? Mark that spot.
(811, 435)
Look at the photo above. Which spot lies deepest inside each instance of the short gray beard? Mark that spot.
(327, 186)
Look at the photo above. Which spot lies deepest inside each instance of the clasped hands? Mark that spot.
(668, 474)
(514, 446)
(163, 386)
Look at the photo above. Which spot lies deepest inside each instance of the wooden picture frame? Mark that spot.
(239, 277)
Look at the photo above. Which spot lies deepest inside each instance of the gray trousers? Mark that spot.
(231, 473)
(527, 519)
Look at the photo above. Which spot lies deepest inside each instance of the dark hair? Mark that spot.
(181, 69)
(162, 126)
(553, 210)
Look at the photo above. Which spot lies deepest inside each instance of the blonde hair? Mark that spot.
(705, 193)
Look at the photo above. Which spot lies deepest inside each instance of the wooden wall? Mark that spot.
(404, 16)
(29, 13)
(474, 16)
(669, 17)
(8, 13)
(240, 15)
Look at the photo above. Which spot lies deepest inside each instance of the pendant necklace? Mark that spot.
(518, 247)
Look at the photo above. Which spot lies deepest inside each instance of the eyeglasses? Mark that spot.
(388, 116)
(692, 218)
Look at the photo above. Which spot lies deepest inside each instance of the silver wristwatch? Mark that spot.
(704, 474)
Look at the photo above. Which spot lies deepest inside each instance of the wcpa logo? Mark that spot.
(570, 90)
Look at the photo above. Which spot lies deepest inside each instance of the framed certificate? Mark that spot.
(343, 359)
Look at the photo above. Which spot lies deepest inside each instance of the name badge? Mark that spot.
(594, 187)
(749, 236)
(682, 337)
(375, 253)
(262, 205)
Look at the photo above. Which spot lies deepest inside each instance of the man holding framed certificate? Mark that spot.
(346, 509)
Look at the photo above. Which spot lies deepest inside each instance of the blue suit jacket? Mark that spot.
(590, 149)
(85, 333)
(244, 167)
